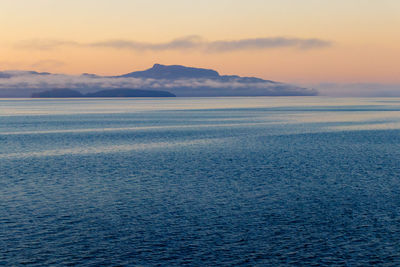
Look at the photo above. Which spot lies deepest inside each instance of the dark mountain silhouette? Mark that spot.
(67, 93)
(56, 93)
(9, 74)
(5, 75)
(159, 71)
(175, 79)
(130, 93)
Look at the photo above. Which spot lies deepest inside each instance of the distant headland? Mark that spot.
(157, 81)
(68, 93)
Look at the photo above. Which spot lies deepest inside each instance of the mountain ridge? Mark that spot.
(160, 71)
(176, 79)
(122, 92)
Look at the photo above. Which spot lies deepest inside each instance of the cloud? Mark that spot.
(24, 79)
(264, 43)
(23, 83)
(189, 42)
(185, 43)
(357, 89)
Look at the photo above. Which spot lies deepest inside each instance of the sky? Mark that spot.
(303, 42)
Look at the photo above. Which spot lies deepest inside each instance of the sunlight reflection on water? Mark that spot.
(265, 181)
(78, 106)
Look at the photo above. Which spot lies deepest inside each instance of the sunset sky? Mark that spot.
(310, 41)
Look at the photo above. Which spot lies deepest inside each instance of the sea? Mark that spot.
(224, 181)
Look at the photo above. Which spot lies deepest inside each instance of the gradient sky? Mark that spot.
(296, 41)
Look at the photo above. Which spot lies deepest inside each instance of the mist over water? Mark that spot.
(200, 181)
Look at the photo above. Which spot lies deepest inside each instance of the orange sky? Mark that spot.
(362, 37)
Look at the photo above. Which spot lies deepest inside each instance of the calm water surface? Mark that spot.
(200, 181)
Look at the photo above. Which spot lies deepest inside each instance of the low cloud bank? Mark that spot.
(23, 84)
(357, 89)
(184, 43)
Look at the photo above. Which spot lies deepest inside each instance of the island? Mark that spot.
(157, 81)
(68, 93)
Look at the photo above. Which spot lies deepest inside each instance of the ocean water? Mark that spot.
(200, 181)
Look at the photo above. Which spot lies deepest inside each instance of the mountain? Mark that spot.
(15, 73)
(159, 71)
(129, 93)
(68, 93)
(189, 81)
(57, 93)
(175, 79)
(171, 72)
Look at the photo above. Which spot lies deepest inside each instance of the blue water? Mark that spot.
(205, 181)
